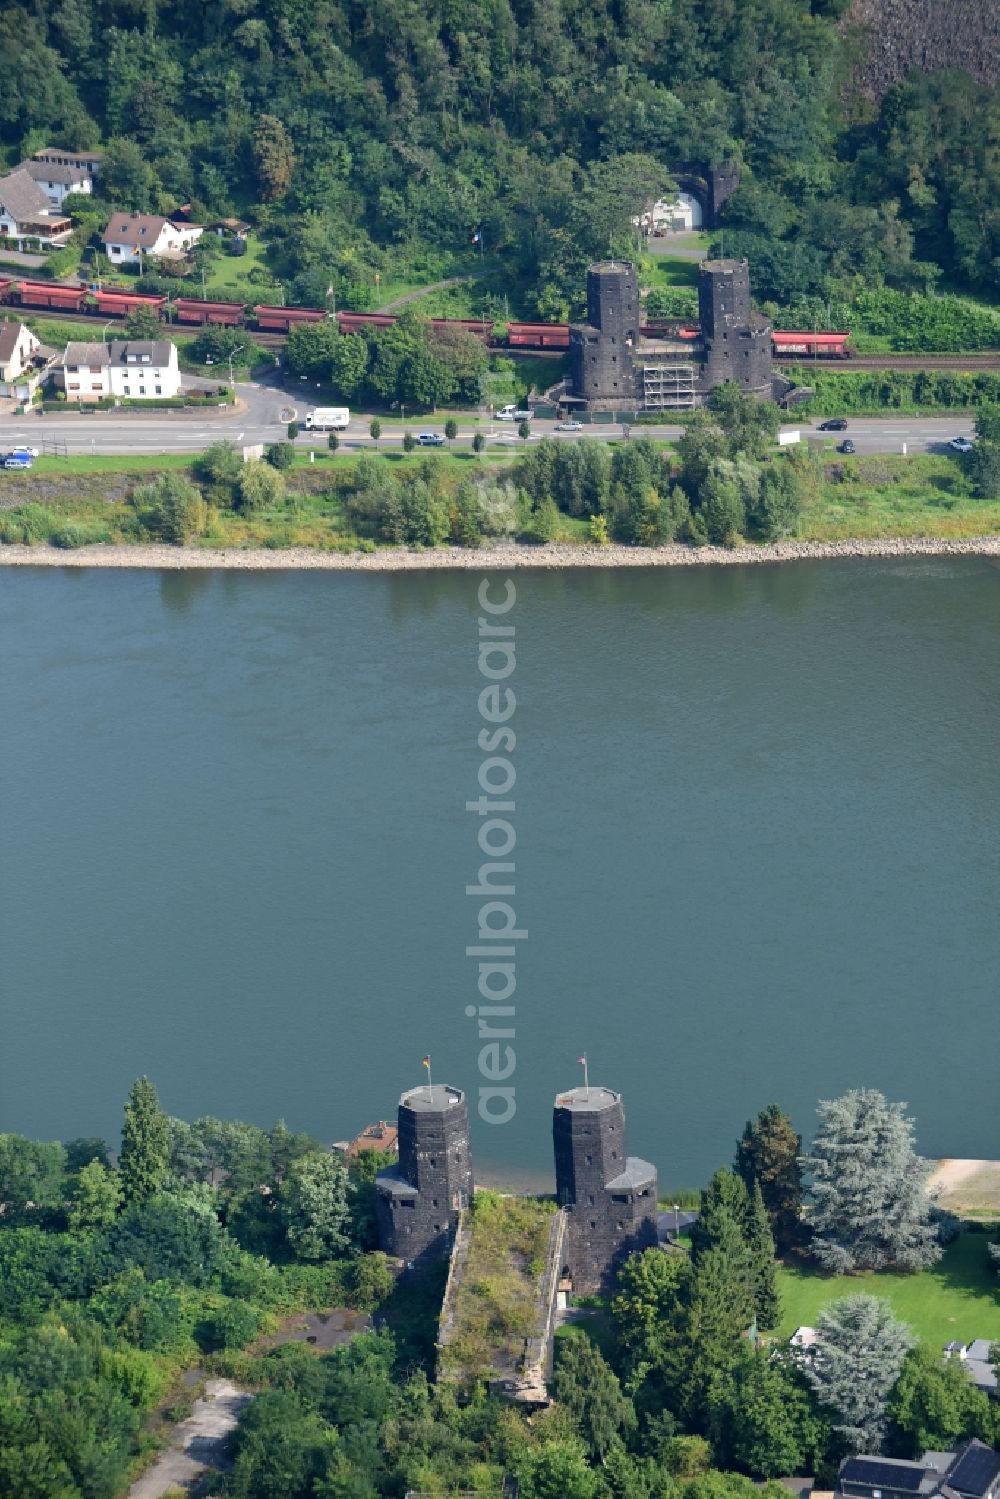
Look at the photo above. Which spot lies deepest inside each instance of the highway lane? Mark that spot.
(264, 412)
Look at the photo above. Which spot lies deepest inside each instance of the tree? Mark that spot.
(273, 158)
(478, 442)
(31, 1175)
(765, 1421)
(142, 1163)
(556, 1470)
(451, 429)
(775, 511)
(988, 423)
(260, 487)
(409, 442)
(760, 1241)
(524, 430)
(143, 323)
(375, 429)
(935, 1405)
(333, 442)
(314, 1208)
(585, 1385)
(722, 510)
(984, 470)
(173, 507)
(856, 1362)
(768, 1156)
(869, 1208)
(748, 424)
(96, 1197)
(280, 455)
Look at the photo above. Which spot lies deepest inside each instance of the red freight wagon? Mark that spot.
(463, 325)
(823, 345)
(357, 322)
(538, 335)
(43, 294)
(6, 283)
(125, 302)
(280, 319)
(192, 310)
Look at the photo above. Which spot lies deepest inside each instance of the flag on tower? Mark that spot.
(476, 237)
(427, 1063)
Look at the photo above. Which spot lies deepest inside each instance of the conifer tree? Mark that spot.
(768, 1152)
(145, 1144)
(761, 1243)
(855, 1365)
(869, 1204)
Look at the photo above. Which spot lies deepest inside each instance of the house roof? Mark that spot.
(10, 333)
(381, 1136)
(129, 351)
(84, 353)
(637, 1173)
(883, 1473)
(135, 229)
(81, 156)
(21, 196)
(975, 1470)
(49, 171)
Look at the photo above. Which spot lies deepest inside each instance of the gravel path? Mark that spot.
(509, 555)
(197, 1443)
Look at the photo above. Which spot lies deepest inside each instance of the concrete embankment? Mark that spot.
(553, 555)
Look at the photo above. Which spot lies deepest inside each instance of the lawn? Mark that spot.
(958, 1298)
(923, 494)
(226, 278)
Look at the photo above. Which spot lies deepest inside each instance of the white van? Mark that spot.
(328, 418)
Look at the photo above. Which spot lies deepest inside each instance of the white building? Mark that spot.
(680, 213)
(90, 161)
(23, 361)
(130, 236)
(26, 212)
(128, 369)
(57, 181)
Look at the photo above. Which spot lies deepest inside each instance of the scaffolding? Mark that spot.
(669, 386)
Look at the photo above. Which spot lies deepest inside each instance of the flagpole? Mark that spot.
(430, 1084)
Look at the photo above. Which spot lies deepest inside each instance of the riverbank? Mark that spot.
(511, 555)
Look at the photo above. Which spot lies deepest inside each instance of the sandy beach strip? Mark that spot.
(504, 556)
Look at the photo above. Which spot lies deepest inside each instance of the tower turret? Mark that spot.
(602, 349)
(611, 1196)
(418, 1201)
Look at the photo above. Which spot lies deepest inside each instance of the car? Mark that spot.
(16, 460)
(570, 426)
(522, 415)
(846, 446)
(961, 444)
(26, 452)
(835, 424)
(430, 439)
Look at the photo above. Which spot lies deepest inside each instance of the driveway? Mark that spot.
(197, 1444)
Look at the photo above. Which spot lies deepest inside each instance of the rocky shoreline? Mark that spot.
(508, 555)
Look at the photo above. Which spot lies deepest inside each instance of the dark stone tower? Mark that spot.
(611, 1196)
(736, 339)
(418, 1201)
(723, 181)
(602, 348)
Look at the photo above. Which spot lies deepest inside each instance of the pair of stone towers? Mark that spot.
(609, 1196)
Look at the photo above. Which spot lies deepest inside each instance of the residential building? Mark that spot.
(88, 161)
(26, 213)
(23, 361)
(128, 369)
(129, 236)
(58, 181)
(972, 1471)
(976, 1360)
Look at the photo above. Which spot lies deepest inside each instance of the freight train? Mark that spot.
(81, 300)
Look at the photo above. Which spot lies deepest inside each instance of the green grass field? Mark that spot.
(227, 281)
(958, 1298)
(923, 494)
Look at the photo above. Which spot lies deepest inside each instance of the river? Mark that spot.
(757, 819)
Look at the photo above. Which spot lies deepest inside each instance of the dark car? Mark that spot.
(835, 424)
(846, 446)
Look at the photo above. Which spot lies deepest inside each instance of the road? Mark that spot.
(264, 411)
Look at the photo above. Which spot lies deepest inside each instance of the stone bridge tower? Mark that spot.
(602, 349)
(418, 1201)
(737, 340)
(611, 1196)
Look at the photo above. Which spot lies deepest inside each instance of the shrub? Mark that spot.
(281, 454)
(293, 431)
(233, 1326)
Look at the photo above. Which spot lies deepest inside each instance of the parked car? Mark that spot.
(961, 444)
(522, 414)
(846, 446)
(28, 452)
(16, 460)
(430, 439)
(570, 426)
(835, 424)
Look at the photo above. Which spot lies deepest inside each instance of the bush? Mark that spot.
(232, 1327)
(293, 431)
(280, 454)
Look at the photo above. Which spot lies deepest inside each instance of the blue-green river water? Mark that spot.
(757, 820)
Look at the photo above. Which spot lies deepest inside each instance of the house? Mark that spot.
(381, 1136)
(682, 212)
(88, 161)
(976, 1358)
(970, 1472)
(26, 212)
(58, 181)
(234, 229)
(129, 236)
(23, 361)
(128, 369)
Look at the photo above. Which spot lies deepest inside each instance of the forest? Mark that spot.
(371, 145)
(192, 1247)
